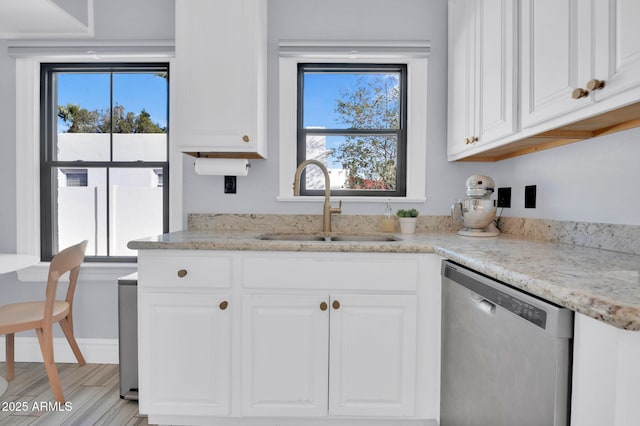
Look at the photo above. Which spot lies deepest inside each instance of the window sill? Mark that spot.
(351, 199)
(88, 272)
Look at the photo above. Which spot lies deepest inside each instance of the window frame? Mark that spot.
(47, 144)
(400, 133)
(412, 53)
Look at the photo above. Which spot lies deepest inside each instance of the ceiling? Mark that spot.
(45, 18)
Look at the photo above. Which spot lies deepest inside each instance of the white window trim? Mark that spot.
(28, 165)
(413, 54)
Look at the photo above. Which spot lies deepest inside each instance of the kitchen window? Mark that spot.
(103, 156)
(352, 118)
(373, 154)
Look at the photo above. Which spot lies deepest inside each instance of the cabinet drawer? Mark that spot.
(330, 272)
(184, 269)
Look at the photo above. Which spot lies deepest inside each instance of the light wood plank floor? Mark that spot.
(92, 394)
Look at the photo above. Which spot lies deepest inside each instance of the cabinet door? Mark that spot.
(617, 40)
(462, 83)
(556, 57)
(218, 80)
(285, 355)
(185, 342)
(496, 38)
(482, 64)
(372, 355)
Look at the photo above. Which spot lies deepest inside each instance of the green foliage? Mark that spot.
(81, 120)
(407, 213)
(370, 160)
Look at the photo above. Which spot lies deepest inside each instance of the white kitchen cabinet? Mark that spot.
(285, 355)
(319, 337)
(556, 58)
(357, 350)
(577, 63)
(482, 70)
(372, 355)
(577, 53)
(605, 374)
(185, 345)
(218, 80)
(617, 49)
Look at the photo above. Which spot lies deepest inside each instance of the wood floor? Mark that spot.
(92, 394)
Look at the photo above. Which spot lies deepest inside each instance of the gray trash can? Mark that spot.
(128, 335)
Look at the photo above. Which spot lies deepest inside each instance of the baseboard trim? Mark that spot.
(95, 351)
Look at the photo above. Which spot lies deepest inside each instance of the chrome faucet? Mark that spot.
(327, 209)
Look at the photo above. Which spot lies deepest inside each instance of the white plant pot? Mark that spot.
(407, 225)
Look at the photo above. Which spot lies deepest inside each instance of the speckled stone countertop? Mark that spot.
(603, 284)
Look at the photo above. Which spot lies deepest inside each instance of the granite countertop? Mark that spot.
(602, 284)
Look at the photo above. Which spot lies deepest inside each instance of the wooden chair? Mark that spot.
(40, 316)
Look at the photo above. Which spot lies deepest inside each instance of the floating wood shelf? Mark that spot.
(624, 118)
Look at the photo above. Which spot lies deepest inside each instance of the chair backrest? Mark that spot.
(70, 260)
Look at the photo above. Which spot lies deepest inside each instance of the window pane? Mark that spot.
(140, 116)
(351, 100)
(82, 117)
(81, 211)
(363, 162)
(134, 204)
(140, 147)
(135, 207)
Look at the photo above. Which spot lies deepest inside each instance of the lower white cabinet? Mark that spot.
(185, 353)
(372, 353)
(606, 374)
(285, 355)
(365, 344)
(255, 340)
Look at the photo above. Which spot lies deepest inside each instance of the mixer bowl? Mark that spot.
(477, 213)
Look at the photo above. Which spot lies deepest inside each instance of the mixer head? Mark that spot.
(479, 186)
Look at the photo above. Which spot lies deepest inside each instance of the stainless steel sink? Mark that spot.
(308, 237)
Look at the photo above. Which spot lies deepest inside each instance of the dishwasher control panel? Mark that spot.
(490, 291)
(521, 308)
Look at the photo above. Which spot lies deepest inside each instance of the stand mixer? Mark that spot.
(478, 211)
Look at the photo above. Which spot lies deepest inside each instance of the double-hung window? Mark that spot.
(360, 109)
(352, 118)
(103, 156)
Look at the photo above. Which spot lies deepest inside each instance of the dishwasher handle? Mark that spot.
(483, 304)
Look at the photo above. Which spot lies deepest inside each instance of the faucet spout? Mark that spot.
(327, 210)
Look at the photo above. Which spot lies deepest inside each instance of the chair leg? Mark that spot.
(9, 372)
(67, 328)
(45, 337)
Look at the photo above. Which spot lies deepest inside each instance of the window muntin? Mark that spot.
(352, 118)
(111, 121)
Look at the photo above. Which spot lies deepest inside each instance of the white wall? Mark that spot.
(596, 180)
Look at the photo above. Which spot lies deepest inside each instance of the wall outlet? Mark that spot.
(530, 197)
(229, 184)
(504, 197)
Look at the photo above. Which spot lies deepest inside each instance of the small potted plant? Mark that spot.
(407, 220)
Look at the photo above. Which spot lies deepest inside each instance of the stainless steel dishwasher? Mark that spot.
(506, 355)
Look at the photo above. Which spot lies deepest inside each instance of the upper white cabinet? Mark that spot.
(578, 68)
(557, 58)
(482, 70)
(218, 82)
(617, 46)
